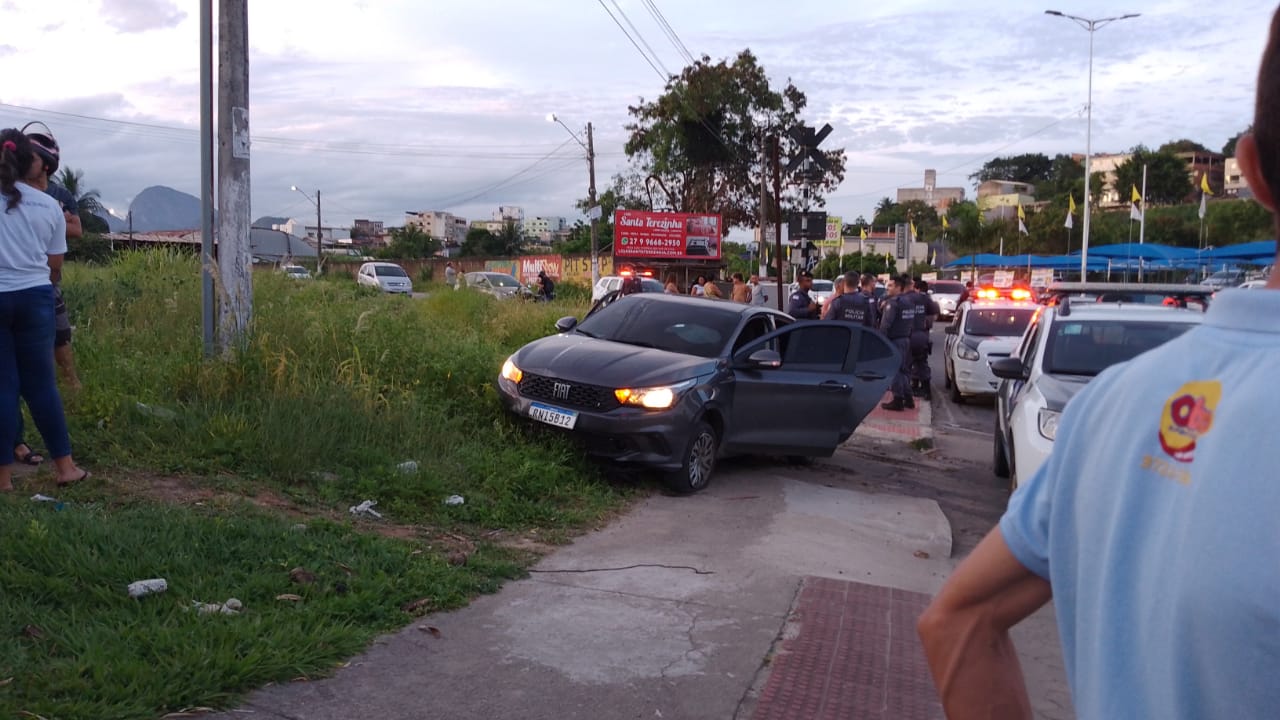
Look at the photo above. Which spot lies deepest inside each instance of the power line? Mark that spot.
(665, 71)
(661, 74)
(186, 136)
(669, 31)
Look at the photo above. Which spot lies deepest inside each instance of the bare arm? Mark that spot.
(965, 632)
(74, 228)
(55, 268)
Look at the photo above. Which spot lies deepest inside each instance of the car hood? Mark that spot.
(571, 356)
(1058, 389)
(991, 345)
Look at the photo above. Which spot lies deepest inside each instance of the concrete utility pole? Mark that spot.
(207, 261)
(777, 215)
(764, 208)
(595, 213)
(319, 236)
(235, 258)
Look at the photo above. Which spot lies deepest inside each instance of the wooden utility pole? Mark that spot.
(235, 257)
(764, 209)
(594, 210)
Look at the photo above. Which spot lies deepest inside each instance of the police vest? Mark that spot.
(854, 308)
(904, 315)
(920, 320)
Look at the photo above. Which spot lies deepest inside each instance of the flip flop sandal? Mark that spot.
(84, 475)
(31, 457)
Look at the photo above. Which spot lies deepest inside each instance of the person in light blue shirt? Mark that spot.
(1153, 525)
(32, 245)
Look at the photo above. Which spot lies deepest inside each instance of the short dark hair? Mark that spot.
(852, 279)
(1266, 118)
(869, 279)
(737, 276)
(902, 281)
(922, 286)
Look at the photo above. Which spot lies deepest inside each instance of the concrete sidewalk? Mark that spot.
(669, 612)
(906, 425)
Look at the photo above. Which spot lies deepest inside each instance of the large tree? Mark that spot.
(1183, 145)
(482, 243)
(410, 242)
(1028, 168)
(700, 144)
(1167, 180)
(1229, 149)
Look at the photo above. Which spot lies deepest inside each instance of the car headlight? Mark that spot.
(1049, 423)
(654, 398)
(966, 353)
(511, 372)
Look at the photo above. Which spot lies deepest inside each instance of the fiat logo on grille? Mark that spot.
(560, 390)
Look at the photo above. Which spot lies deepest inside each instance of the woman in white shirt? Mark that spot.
(32, 244)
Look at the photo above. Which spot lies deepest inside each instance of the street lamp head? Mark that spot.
(293, 188)
(1053, 12)
(1130, 15)
(551, 117)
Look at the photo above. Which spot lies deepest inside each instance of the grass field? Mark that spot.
(206, 471)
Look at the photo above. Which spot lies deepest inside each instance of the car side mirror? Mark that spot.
(565, 324)
(764, 359)
(1009, 368)
(951, 330)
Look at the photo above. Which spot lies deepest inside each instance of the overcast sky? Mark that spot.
(394, 105)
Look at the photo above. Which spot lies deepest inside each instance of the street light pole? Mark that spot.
(1091, 26)
(592, 212)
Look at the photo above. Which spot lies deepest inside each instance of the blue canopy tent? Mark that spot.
(1056, 262)
(1261, 251)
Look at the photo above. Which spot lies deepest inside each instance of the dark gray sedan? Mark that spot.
(673, 383)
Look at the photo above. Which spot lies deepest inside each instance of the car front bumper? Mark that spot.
(626, 435)
(974, 377)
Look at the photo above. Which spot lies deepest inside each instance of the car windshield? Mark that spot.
(823, 286)
(389, 271)
(651, 285)
(1089, 347)
(676, 327)
(1225, 275)
(943, 287)
(997, 322)
(501, 280)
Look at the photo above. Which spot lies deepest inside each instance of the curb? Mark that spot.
(899, 426)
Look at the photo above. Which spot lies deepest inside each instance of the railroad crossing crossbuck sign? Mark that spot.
(809, 140)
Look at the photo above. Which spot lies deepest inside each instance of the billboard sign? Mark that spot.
(833, 238)
(683, 236)
(531, 265)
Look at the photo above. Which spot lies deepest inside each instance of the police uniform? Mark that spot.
(926, 310)
(798, 306)
(853, 307)
(897, 322)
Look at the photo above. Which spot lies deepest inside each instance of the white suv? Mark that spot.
(610, 283)
(1063, 348)
(983, 331)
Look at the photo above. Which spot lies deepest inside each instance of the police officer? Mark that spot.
(897, 322)
(852, 305)
(873, 304)
(800, 306)
(926, 313)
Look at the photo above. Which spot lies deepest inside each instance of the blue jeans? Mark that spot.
(27, 367)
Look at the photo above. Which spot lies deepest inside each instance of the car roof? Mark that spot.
(690, 300)
(381, 264)
(1001, 303)
(1129, 311)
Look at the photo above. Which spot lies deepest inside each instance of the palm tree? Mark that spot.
(89, 201)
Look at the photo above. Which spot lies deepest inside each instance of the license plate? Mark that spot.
(553, 416)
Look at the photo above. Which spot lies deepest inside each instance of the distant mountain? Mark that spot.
(267, 221)
(114, 223)
(163, 208)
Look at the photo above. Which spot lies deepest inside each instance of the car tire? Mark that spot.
(698, 462)
(999, 463)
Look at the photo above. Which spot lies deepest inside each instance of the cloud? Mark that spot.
(7, 50)
(135, 16)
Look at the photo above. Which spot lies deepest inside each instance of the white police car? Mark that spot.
(982, 331)
(1065, 346)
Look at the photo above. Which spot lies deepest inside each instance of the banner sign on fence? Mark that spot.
(639, 233)
(1041, 277)
(531, 265)
(1002, 279)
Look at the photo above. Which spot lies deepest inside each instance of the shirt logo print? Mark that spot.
(1187, 417)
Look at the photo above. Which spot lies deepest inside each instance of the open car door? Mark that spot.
(803, 389)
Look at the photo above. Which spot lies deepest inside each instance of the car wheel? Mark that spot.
(999, 463)
(699, 461)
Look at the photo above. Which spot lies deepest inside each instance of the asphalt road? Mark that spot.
(975, 415)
